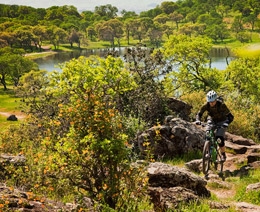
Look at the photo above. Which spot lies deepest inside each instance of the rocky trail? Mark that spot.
(225, 190)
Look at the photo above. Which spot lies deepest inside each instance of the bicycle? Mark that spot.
(211, 154)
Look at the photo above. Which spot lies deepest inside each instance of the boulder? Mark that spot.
(176, 137)
(167, 176)
(180, 108)
(170, 186)
(239, 140)
(12, 118)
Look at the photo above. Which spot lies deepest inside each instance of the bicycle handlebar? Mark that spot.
(211, 125)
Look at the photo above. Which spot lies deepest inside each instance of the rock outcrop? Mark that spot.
(171, 185)
(175, 138)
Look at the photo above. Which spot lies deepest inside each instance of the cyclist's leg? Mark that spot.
(220, 136)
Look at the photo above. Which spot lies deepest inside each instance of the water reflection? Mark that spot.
(52, 62)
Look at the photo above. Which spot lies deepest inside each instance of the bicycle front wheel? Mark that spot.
(206, 158)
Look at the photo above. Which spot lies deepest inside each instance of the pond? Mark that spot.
(51, 62)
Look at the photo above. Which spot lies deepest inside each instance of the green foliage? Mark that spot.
(78, 139)
(189, 60)
(13, 66)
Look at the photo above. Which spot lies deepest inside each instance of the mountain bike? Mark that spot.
(211, 155)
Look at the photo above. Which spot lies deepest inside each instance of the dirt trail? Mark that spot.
(19, 115)
(226, 190)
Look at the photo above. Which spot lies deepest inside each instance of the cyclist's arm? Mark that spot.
(201, 112)
(229, 115)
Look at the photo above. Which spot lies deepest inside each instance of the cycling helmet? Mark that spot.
(211, 96)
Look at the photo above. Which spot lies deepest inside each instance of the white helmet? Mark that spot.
(211, 96)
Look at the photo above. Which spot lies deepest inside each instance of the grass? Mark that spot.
(241, 185)
(37, 55)
(8, 103)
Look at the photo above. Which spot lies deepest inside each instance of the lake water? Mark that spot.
(51, 62)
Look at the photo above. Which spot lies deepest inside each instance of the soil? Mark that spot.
(19, 115)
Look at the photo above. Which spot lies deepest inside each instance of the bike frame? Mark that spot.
(211, 154)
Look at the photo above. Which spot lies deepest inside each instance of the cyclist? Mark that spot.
(219, 113)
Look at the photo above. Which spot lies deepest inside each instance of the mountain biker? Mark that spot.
(219, 113)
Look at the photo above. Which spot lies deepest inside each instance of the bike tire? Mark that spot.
(206, 158)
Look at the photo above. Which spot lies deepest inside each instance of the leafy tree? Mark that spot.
(139, 26)
(91, 33)
(217, 32)
(176, 17)
(84, 142)
(152, 13)
(192, 16)
(243, 75)
(40, 33)
(111, 30)
(189, 63)
(168, 7)
(106, 11)
(237, 24)
(24, 36)
(155, 34)
(8, 38)
(167, 30)
(162, 18)
(147, 102)
(251, 19)
(74, 37)
(127, 27)
(13, 66)
(128, 14)
(56, 35)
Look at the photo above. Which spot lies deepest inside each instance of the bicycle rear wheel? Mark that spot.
(206, 158)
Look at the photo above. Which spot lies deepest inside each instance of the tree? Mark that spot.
(243, 75)
(13, 66)
(84, 146)
(40, 33)
(162, 18)
(111, 30)
(128, 14)
(106, 11)
(139, 26)
(91, 33)
(8, 37)
(24, 36)
(217, 32)
(168, 7)
(74, 37)
(176, 17)
(56, 35)
(252, 19)
(155, 34)
(189, 63)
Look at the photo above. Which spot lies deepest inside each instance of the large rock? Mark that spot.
(170, 186)
(176, 137)
(167, 176)
(12, 118)
(236, 139)
(180, 108)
